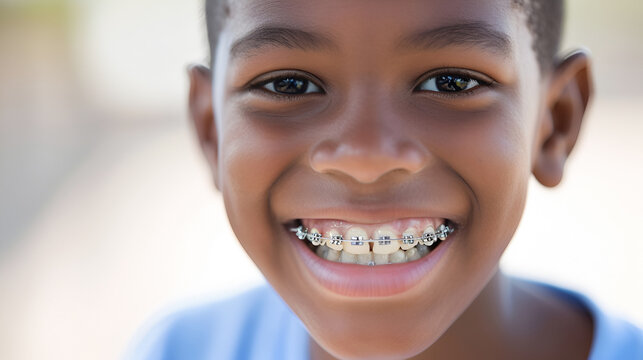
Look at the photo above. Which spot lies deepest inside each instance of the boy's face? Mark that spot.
(373, 113)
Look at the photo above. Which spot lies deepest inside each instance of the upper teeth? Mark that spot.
(409, 238)
(385, 243)
(357, 238)
(356, 244)
(395, 242)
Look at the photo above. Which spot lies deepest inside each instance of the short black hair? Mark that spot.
(544, 19)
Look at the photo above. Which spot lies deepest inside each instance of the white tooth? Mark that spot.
(429, 235)
(347, 257)
(332, 254)
(314, 236)
(382, 245)
(322, 242)
(422, 249)
(356, 243)
(410, 232)
(365, 259)
(397, 257)
(380, 259)
(334, 244)
(442, 232)
(412, 254)
(322, 251)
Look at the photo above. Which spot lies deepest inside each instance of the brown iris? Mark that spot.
(290, 85)
(452, 83)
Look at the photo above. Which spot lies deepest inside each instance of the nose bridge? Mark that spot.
(366, 122)
(369, 140)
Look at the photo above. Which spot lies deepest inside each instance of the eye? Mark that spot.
(451, 83)
(291, 85)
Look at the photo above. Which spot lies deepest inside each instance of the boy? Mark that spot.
(373, 156)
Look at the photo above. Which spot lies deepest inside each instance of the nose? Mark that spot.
(368, 146)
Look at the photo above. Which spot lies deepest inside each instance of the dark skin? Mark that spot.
(389, 120)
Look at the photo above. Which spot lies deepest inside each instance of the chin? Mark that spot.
(375, 347)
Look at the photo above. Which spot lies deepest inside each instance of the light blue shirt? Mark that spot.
(259, 325)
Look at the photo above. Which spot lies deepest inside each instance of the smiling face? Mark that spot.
(376, 118)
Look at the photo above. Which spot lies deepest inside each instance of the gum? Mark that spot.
(397, 226)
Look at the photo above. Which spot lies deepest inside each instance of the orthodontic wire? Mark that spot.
(315, 238)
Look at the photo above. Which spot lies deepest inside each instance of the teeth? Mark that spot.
(322, 251)
(300, 233)
(380, 259)
(335, 241)
(348, 258)
(410, 238)
(388, 246)
(422, 249)
(315, 237)
(429, 236)
(384, 245)
(412, 254)
(365, 259)
(397, 257)
(356, 243)
(442, 232)
(332, 254)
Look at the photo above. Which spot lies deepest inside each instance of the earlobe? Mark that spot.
(567, 98)
(202, 114)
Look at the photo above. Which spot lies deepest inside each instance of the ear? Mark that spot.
(566, 100)
(202, 114)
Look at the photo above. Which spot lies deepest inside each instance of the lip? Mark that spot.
(356, 281)
(368, 214)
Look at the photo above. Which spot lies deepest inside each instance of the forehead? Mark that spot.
(339, 23)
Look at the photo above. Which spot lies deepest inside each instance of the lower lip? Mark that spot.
(368, 281)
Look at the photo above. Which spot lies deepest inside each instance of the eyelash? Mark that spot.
(481, 80)
(260, 85)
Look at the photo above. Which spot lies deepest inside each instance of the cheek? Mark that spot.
(490, 152)
(499, 160)
(251, 159)
(257, 147)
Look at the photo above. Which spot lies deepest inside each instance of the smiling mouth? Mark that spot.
(396, 242)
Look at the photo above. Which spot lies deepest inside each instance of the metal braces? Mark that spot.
(427, 238)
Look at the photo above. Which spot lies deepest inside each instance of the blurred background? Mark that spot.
(108, 216)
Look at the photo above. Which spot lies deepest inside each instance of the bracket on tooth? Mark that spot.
(300, 232)
(443, 232)
(314, 238)
(427, 239)
(336, 240)
(384, 240)
(357, 240)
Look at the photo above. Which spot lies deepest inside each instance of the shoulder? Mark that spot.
(613, 337)
(253, 325)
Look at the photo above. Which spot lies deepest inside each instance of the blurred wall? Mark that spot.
(108, 214)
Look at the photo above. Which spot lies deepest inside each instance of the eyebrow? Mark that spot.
(279, 36)
(477, 34)
(471, 34)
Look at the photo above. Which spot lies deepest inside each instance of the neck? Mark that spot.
(513, 319)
